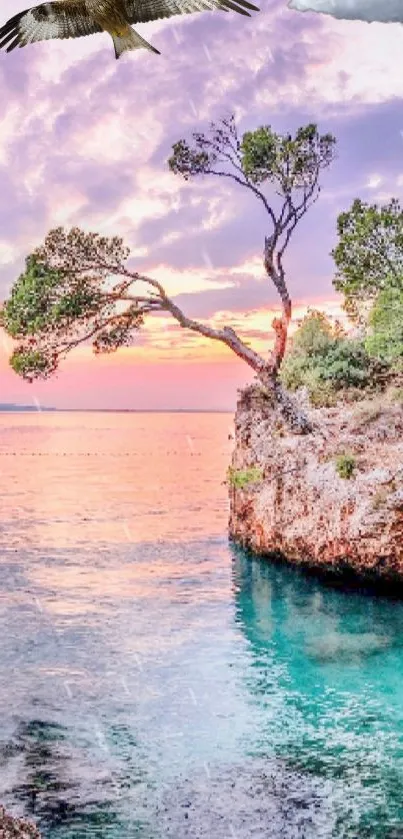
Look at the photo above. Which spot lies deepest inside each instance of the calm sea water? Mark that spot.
(154, 681)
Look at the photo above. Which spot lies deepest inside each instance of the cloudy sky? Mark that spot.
(84, 140)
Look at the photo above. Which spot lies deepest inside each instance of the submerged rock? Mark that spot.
(13, 828)
(331, 500)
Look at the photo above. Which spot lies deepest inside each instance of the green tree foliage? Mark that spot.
(60, 300)
(345, 364)
(76, 289)
(325, 361)
(314, 334)
(369, 254)
(384, 339)
(43, 297)
(291, 164)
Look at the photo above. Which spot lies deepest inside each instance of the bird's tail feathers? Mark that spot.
(131, 40)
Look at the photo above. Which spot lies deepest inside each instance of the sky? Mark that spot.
(85, 139)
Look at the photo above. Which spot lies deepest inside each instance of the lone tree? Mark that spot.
(66, 295)
(290, 166)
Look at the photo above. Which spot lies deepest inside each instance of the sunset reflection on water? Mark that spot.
(150, 669)
(57, 470)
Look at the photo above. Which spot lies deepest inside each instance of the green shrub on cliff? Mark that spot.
(310, 342)
(321, 393)
(345, 364)
(345, 465)
(240, 478)
(325, 361)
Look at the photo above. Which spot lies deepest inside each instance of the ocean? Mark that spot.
(156, 681)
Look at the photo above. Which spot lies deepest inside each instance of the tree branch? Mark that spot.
(227, 335)
(249, 185)
(161, 302)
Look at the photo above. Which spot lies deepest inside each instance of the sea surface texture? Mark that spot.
(157, 682)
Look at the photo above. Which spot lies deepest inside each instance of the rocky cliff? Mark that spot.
(13, 828)
(332, 500)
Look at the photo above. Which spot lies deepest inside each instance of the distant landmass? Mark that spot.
(13, 406)
(145, 410)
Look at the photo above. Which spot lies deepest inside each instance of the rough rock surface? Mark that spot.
(12, 828)
(300, 509)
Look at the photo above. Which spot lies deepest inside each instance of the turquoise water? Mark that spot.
(157, 682)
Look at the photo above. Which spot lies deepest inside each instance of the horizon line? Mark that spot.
(14, 408)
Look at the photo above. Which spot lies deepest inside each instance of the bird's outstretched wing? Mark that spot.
(141, 11)
(67, 19)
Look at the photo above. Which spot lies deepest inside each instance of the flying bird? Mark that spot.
(74, 18)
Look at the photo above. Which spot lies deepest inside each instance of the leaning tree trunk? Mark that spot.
(275, 271)
(295, 417)
(266, 370)
(267, 373)
(292, 413)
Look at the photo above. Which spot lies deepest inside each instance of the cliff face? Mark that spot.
(12, 828)
(288, 498)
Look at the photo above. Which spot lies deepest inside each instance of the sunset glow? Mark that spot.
(67, 159)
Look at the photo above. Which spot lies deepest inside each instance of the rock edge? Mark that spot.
(287, 499)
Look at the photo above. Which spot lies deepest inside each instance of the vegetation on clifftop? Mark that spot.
(345, 465)
(329, 364)
(323, 358)
(241, 478)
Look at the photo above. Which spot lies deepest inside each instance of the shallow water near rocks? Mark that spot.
(154, 680)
